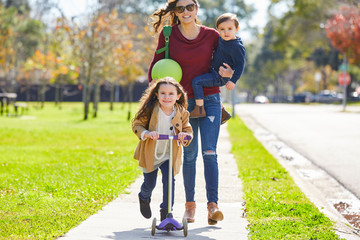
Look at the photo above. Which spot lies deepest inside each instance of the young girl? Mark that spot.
(163, 110)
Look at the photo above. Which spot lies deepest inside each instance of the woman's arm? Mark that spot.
(226, 71)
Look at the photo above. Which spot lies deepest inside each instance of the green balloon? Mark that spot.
(166, 68)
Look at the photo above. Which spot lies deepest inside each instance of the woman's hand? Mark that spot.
(153, 135)
(152, 82)
(226, 71)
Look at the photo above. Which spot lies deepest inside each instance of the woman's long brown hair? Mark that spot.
(167, 14)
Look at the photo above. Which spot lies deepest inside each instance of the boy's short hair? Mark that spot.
(226, 17)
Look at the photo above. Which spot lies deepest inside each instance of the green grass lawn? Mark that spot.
(56, 169)
(275, 206)
(354, 104)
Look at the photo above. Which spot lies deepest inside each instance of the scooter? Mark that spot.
(169, 223)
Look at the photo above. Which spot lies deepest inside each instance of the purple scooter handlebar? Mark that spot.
(166, 137)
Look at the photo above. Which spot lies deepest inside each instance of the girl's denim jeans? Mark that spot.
(209, 127)
(150, 182)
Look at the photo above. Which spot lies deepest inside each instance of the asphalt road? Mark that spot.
(324, 134)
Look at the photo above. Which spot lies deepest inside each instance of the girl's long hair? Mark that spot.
(167, 14)
(149, 98)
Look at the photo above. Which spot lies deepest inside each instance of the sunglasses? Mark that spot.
(181, 9)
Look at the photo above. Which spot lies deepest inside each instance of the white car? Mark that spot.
(261, 99)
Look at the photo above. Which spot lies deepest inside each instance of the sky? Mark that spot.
(260, 17)
(75, 7)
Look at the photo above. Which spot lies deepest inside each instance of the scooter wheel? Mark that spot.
(153, 227)
(185, 227)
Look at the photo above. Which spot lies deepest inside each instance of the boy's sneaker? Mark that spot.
(145, 208)
(224, 115)
(163, 213)
(198, 112)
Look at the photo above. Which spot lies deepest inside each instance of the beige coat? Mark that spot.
(145, 150)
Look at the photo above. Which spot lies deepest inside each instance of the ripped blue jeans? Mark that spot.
(209, 127)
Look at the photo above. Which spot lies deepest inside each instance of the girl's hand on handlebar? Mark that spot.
(153, 135)
(182, 136)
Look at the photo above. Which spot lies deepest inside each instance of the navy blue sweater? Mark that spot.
(231, 52)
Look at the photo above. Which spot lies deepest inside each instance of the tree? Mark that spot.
(99, 49)
(324, 59)
(41, 66)
(65, 65)
(300, 30)
(270, 62)
(22, 6)
(8, 18)
(343, 30)
(298, 35)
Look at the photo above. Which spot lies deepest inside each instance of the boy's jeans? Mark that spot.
(209, 127)
(150, 182)
(211, 79)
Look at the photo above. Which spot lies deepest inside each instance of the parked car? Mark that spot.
(261, 99)
(328, 96)
(354, 96)
(304, 97)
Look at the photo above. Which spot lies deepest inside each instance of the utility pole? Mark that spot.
(344, 84)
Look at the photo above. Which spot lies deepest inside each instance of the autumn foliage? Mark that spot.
(343, 30)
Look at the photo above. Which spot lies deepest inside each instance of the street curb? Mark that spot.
(308, 177)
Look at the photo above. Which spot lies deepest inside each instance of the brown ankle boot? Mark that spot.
(224, 115)
(189, 214)
(198, 112)
(214, 214)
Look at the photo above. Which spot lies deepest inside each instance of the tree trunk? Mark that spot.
(86, 100)
(96, 98)
(61, 94)
(130, 94)
(325, 86)
(277, 89)
(27, 92)
(129, 111)
(112, 94)
(56, 94)
(40, 95)
(88, 75)
(43, 92)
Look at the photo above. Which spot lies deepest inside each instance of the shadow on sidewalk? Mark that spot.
(144, 233)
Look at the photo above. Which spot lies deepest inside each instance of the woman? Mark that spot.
(192, 46)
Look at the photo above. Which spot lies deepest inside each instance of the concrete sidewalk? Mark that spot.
(121, 219)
